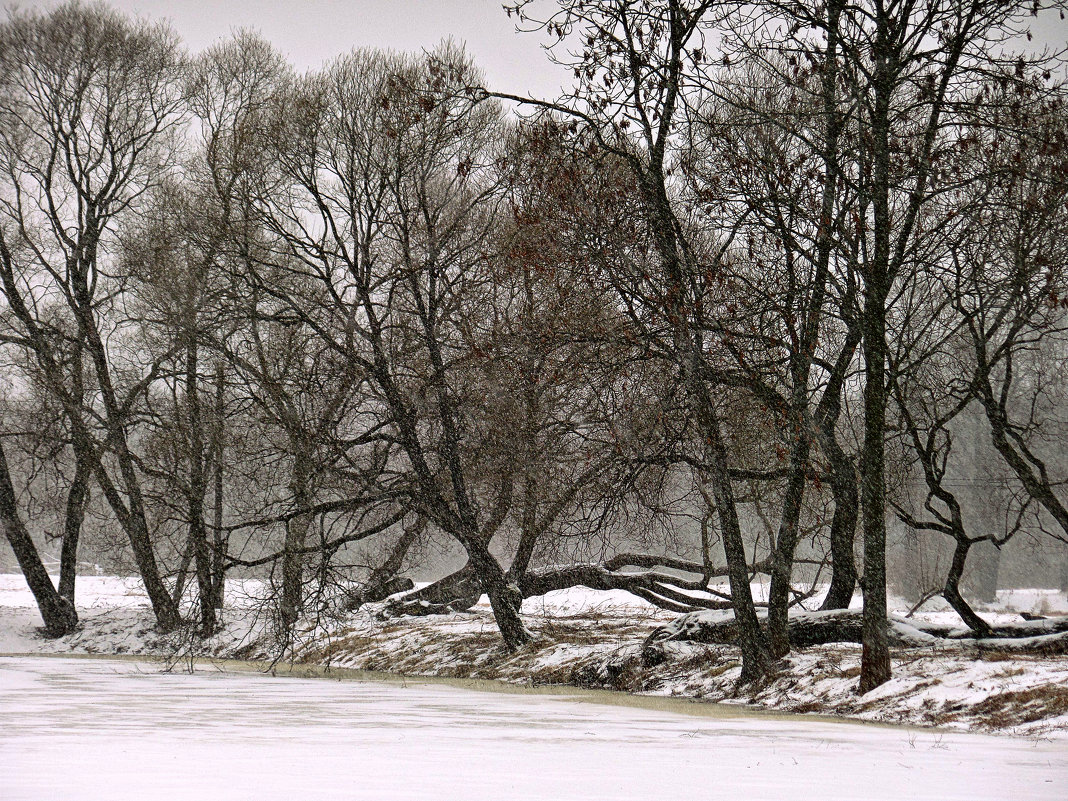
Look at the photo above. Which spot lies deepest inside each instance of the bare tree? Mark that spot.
(630, 93)
(88, 106)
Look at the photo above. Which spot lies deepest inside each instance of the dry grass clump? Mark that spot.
(1015, 707)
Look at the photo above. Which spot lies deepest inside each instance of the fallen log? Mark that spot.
(656, 587)
(456, 592)
(460, 591)
(1040, 637)
(373, 592)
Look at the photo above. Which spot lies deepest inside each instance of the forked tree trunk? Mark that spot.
(504, 597)
(58, 612)
(843, 481)
(131, 511)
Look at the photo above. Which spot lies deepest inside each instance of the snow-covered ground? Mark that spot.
(593, 639)
(97, 729)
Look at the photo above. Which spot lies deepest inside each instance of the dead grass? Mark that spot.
(1015, 707)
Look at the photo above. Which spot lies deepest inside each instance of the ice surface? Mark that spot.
(97, 729)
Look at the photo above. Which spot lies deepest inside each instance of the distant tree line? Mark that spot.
(704, 317)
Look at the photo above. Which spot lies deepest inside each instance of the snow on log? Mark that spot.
(459, 591)
(822, 627)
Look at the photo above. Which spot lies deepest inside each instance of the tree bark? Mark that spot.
(875, 660)
(843, 529)
(220, 538)
(1064, 570)
(198, 487)
(756, 658)
(843, 480)
(131, 514)
(292, 599)
(77, 500)
(951, 592)
(78, 494)
(785, 547)
(504, 597)
(58, 612)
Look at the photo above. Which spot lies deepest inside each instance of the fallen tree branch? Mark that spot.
(460, 591)
(1043, 637)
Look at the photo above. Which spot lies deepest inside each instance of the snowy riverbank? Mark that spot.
(592, 639)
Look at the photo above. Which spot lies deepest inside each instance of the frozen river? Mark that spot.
(93, 729)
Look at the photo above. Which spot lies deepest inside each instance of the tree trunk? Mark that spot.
(292, 599)
(843, 481)
(875, 658)
(78, 495)
(756, 659)
(131, 513)
(802, 357)
(1064, 570)
(220, 537)
(951, 592)
(77, 500)
(843, 531)
(183, 572)
(785, 547)
(821, 628)
(198, 487)
(504, 597)
(58, 612)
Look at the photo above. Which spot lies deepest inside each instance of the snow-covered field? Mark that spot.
(98, 729)
(593, 639)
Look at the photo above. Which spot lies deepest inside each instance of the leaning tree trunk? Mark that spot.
(756, 659)
(131, 512)
(461, 590)
(504, 596)
(951, 591)
(57, 612)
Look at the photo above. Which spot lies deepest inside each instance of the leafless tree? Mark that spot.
(89, 106)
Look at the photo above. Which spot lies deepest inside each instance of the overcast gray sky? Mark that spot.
(310, 32)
